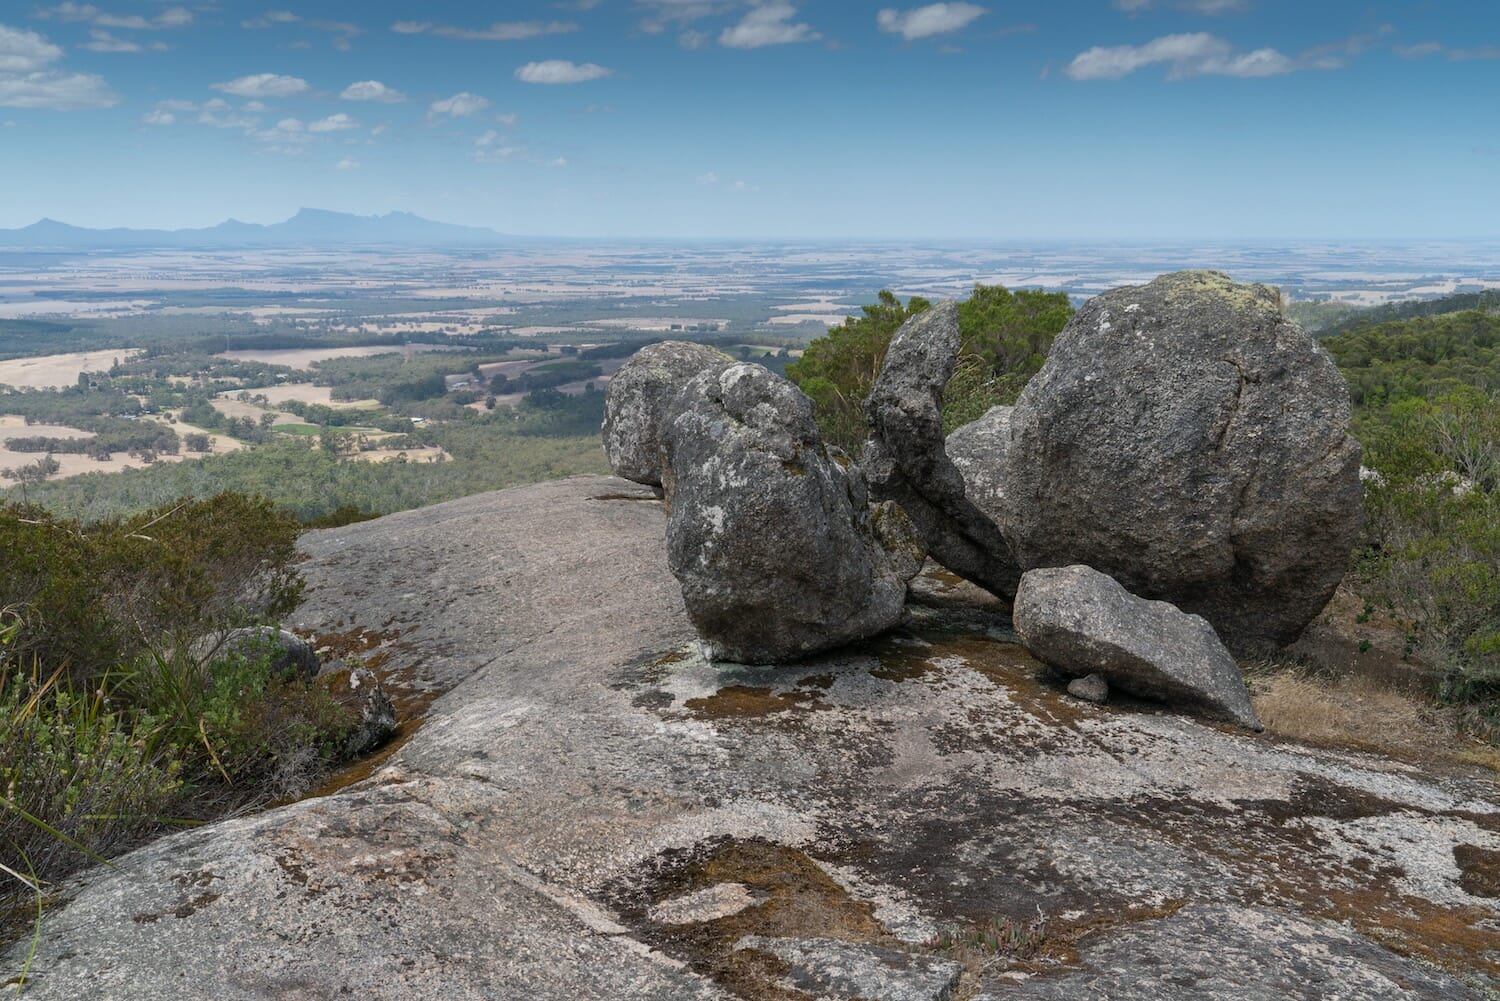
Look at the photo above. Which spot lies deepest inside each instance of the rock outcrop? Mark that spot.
(636, 404)
(905, 459)
(771, 538)
(1187, 439)
(978, 450)
(583, 767)
(1083, 622)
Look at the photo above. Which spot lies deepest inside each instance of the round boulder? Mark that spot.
(637, 399)
(771, 537)
(1187, 439)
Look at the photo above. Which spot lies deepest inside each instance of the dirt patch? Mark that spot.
(797, 900)
(1480, 868)
(743, 701)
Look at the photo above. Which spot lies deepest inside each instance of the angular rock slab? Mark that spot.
(771, 539)
(827, 968)
(1083, 622)
(636, 402)
(905, 460)
(979, 450)
(1187, 439)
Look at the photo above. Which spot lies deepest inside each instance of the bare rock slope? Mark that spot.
(591, 812)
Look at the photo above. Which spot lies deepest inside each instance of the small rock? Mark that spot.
(636, 402)
(1083, 622)
(290, 655)
(1091, 688)
(708, 904)
(361, 691)
(827, 968)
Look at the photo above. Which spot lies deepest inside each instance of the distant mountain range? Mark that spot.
(307, 227)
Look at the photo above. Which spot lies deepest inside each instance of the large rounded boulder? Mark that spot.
(770, 536)
(636, 402)
(1187, 439)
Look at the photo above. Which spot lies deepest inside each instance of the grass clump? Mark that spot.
(997, 938)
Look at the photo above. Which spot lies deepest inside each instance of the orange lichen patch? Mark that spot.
(1461, 939)
(742, 701)
(357, 643)
(1480, 869)
(798, 900)
(946, 579)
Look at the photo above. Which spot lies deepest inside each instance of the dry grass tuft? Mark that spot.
(1361, 712)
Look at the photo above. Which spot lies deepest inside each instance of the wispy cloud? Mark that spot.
(263, 85)
(767, 24)
(372, 90)
(460, 105)
(1212, 8)
(560, 71)
(347, 164)
(172, 17)
(922, 22)
(271, 18)
(102, 41)
(333, 123)
(28, 80)
(500, 31)
(1453, 55)
(159, 117)
(1185, 55)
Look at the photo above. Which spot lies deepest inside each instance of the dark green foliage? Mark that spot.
(838, 371)
(1425, 358)
(1488, 299)
(1004, 336)
(1426, 410)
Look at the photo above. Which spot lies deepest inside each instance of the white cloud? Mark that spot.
(692, 39)
(159, 118)
(372, 90)
(103, 41)
(708, 178)
(25, 51)
(458, 106)
(175, 17)
(256, 106)
(56, 91)
(379, 130)
(500, 31)
(176, 105)
(558, 161)
(26, 82)
(215, 104)
(290, 125)
(1185, 55)
(489, 138)
(934, 19)
(560, 71)
(767, 24)
(508, 119)
(333, 123)
(263, 85)
(347, 164)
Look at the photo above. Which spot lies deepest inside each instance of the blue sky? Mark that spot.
(1003, 121)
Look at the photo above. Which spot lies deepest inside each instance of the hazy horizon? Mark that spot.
(1098, 120)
